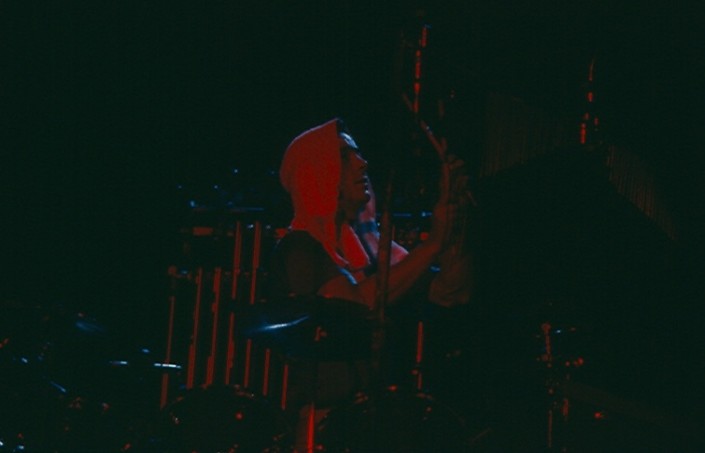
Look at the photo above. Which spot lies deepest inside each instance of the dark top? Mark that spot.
(300, 266)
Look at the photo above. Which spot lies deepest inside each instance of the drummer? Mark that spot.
(331, 246)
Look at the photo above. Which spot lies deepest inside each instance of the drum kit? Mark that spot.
(226, 380)
(68, 383)
(379, 415)
(240, 385)
(313, 330)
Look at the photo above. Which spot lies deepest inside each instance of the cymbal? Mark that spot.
(312, 326)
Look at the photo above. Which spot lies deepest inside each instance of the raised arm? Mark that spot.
(404, 274)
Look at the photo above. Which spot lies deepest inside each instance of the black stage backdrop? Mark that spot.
(115, 114)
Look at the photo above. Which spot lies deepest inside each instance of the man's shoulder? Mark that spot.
(300, 243)
(298, 238)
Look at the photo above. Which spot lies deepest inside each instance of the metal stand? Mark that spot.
(557, 374)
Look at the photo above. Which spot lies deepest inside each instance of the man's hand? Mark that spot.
(447, 214)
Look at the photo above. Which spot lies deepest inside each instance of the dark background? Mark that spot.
(113, 115)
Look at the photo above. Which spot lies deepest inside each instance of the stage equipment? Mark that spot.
(395, 420)
(559, 362)
(69, 383)
(220, 270)
(220, 418)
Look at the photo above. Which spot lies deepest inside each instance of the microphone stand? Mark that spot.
(382, 276)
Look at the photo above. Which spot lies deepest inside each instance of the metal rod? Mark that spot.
(285, 386)
(215, 311)
(253, 297)
(169, 337)
(237, 260)
(191, 371)
(419, 354)
(257, 247)
(236, 271)
(265, 377)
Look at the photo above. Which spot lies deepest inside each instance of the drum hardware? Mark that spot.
(219, 418)
(237, 272)
(258, 329)
(317, 328)
(417, 371)
(205, 289)
(66, 390)
(253, 291)
(313, 329)
(193, 345)
(210, 302)
(174, 274)
(395, 419)
(158, 366)
(558, 367)
(310, 328)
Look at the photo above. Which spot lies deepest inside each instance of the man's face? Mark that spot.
(354, 187)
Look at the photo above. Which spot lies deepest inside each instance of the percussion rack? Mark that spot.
(221, 269)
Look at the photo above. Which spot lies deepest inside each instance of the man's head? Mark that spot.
(325, 176)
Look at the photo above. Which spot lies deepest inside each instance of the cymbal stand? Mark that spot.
(173, 276)
(384, 254)
(234, 295)
(309, 409)
(417, 371)
(558, 407)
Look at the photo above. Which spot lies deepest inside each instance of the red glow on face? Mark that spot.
(590, 96)
(239, 416)
(599, 415)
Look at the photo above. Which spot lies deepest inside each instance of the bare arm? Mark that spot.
(404, 274)
(455, 284)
